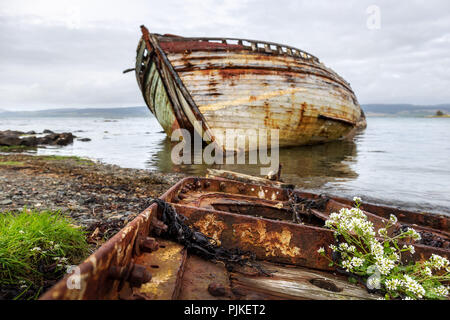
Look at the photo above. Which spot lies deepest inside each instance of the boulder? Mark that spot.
(10, 138)
(29, 141)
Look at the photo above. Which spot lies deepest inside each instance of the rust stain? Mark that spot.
(275, 243)
(211, 227)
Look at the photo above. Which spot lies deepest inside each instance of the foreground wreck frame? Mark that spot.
(137, 264)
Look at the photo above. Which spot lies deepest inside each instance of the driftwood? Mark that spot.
(241, 177)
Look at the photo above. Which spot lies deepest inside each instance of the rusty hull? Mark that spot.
(135, 265)
(229, 83)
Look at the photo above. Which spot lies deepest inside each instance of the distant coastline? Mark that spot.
(371, 110)
(404, 110)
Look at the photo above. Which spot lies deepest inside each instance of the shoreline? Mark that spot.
(93, 194)
(100, 198)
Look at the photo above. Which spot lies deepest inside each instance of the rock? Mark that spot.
(64, 139)
(9, 141)
(31, 132)
(47, 131)
(61, 139)
(29, 141)
(10, 138)
(84, 139)
(5, 202)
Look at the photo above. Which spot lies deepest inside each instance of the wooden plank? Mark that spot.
(297, 284)
(241, 177)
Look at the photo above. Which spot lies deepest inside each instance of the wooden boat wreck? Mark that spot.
(281, 227)
(210, 85)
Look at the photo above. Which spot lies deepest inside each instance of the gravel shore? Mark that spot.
(97, 196)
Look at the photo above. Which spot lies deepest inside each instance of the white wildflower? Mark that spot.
(414, 234)
(357, 199)
(413, 286)
(321, 250)
(333, 247)
(347, 265)
(441, 291)
(357, 262)
(427, 271)
(393, 219)
(384, 265)
(376, 248)
(382, 232)
(21, 231)
(437, 262)
(36, 249)
(393, 284)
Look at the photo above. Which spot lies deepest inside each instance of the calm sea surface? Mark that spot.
(402, 162)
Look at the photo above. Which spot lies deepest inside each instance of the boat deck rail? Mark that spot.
(253, 45)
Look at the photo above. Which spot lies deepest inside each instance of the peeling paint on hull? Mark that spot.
(239, 87)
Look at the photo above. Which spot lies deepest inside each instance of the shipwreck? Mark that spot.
(209, 85)
(223, 237)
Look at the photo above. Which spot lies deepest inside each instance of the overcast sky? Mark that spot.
(71, 53)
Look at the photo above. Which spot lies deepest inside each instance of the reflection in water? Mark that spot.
(306, 166)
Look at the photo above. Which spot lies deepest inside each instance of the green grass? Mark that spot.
(37, 246)
(15, 148)
(11, 163)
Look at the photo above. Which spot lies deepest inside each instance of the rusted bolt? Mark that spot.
(134, 274)
(222, 186)
(241, 188)
(216, 289)
(118, 273)
(145, 244)
(206, 184)
(159, 227)
(139, 275)
(198, 184)
(149, 244)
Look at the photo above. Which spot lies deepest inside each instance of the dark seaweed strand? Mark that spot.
(199, 243)
(307, 204)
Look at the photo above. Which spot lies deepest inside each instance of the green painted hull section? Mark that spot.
(158, 100)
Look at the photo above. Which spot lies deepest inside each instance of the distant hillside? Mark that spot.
(399, 110)
(404, 110)
(82, 113)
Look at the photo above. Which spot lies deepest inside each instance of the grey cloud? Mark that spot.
(45, 63)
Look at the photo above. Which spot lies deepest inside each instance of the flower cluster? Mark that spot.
(360, 250)
(51, 251)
